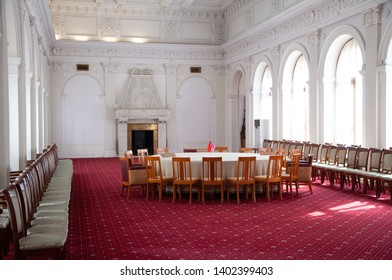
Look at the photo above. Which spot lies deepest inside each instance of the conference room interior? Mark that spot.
(93, 93)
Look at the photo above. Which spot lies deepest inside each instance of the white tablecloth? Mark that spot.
(229, 163)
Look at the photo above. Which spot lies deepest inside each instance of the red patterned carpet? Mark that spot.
(330, 224)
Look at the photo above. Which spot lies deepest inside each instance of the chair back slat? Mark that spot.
(153, 167)
(386, 167)
(182, 171)
(212, 168)
(375, 159)
(274, 168)
(246, 169)
(362, 158)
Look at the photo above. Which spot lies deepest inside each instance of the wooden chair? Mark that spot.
(361, 167)
(291, 174)
(267, 143)
(347, 172)
(34, 244)
(375, 159)
(314, 150)
(131, 176)
(266, 151)
(154, 175)
(306, 151)
(221, 149)
(212, 175)
(246, 172)
(322, 158)
(182, 176)
(282, 152)
(273, 175)
(246, 150)
(141, 154)
(275, 145)
(340, 162)
(385, 170)
(161, 151)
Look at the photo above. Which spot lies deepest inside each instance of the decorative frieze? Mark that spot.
(264, 37)
(140, 53)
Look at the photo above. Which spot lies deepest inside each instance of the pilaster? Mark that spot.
(372, 24)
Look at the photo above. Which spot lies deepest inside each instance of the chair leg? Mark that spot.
(190, 193)
(267, 192)
(222, 194)
(147, 190)
(174, 193)
(160, 192)
(280, 190)
(238, 193)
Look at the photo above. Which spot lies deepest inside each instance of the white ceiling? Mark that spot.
(158, 21)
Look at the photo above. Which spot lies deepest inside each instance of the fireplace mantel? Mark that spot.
(130, 115)
(141, 105)
(124, 117)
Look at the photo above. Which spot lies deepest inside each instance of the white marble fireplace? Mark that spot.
(141, 105)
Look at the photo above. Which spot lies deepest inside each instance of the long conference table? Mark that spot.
(229, 163)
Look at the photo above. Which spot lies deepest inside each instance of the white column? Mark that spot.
(162, 135)
(233, 127)
(4, 109)
(314, 99)
(385, 115)
(171, 102)
(371, 95)
(13, 103)
(30, 118)
(109, 71)
(122, 137)
(276, 93)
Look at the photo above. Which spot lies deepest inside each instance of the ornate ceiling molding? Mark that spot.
(142, 51)
(268, 35)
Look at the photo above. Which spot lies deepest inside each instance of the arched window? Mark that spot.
(343, 111)
(295, 98)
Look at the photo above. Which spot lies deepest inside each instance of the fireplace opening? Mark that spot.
(143, 139)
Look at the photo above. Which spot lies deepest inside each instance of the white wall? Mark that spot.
(83, 114)
(195, 114)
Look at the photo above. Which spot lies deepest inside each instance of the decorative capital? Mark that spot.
(372, 16)
(275, 52)
(314, 37)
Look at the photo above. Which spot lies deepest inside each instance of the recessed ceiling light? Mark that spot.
(110, 39)
(138, 40)
(80, 38)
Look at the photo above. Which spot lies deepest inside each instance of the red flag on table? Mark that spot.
(210, 147)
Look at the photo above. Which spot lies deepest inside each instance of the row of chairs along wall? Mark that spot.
(352, 165)
(37, 208)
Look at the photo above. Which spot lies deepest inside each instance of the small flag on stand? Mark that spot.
(210, 147)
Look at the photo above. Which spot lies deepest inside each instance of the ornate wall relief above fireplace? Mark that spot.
(142, 106)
